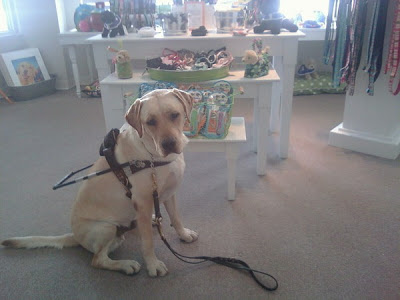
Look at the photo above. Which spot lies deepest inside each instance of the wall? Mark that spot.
(39, 29)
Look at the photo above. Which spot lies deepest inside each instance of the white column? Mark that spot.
(371, 124)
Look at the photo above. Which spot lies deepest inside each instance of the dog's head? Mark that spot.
(250, 57)
(123, 56)
(158, 118)
(26, 72)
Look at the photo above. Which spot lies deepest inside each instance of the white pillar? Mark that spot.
(371, 124)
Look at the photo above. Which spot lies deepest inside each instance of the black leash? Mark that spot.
(229, 262)
(233, 263)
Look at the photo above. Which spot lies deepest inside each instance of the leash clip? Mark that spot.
(158, 221)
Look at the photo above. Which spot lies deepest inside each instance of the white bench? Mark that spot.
(260, 89)
(230, 145)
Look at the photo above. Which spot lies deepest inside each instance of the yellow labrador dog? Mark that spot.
(102, 212)
(26, 73)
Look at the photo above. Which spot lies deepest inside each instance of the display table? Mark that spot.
(71, 40)
(230, 145)
(283, 47)
(115, 106)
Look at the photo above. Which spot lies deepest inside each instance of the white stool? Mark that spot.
(230, 145)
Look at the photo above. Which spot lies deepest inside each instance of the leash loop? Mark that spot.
(229, 262)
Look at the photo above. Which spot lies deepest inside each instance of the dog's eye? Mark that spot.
(174, 116)
(151, 122)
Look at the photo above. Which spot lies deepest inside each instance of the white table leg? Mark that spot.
(255, 121)
(232, 153)
(264, 112)
(113, 110)
(289, 64)
(101, 61)
(88, 49)
(276, 97)
(75, 70)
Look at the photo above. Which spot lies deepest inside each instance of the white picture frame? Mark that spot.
(23, 67)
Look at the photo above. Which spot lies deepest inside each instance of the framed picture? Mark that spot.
(23, 67)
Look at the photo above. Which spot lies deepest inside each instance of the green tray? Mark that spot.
(188, 76)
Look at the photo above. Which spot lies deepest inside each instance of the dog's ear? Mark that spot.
(186, 99)
(133, 116)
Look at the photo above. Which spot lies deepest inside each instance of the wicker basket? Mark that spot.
(188, 76)
(28, 92)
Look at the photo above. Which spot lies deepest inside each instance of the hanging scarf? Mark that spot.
(329, 31)
(393, 61)
(355, 44)
(341, 42)
(375, 43)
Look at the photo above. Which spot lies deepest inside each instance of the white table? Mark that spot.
(283, 47)
(71, 40)
(230, 145)
(114, 106)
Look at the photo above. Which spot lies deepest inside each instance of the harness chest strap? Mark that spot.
(107, 149)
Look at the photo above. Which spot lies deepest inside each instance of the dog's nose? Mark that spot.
(169, 144)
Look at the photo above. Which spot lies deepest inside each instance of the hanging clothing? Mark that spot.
(329, 31)
(356, 30)
(341, 42)
(376, 40)
(393, 60)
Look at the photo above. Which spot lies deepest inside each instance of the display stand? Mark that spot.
(283, 47)
(260, 89)
(371, 124)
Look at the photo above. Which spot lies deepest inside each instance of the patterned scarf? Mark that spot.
(393, 60)
(376, 39)
(354, 49)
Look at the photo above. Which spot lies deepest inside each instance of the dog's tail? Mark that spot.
(30, 242)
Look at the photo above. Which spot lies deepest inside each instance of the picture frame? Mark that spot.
(23, 67)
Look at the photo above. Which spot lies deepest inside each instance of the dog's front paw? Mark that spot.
(129, 266)
(156, 268)
(188, 235)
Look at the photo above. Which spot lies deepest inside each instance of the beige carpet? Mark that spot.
(325, 221)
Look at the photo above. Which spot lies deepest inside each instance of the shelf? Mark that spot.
(235, 76)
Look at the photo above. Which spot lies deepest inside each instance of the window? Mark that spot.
(291, 8)
(7, 18)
